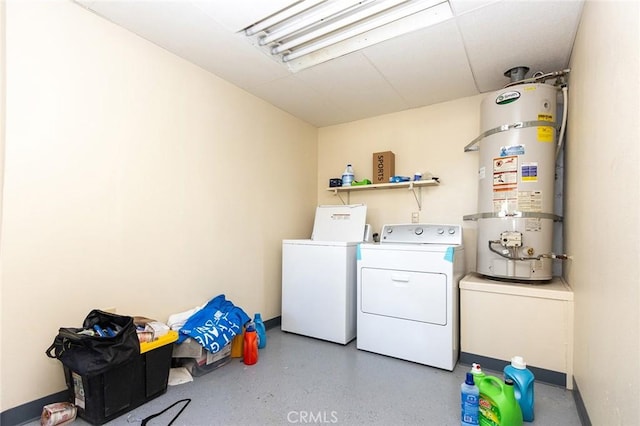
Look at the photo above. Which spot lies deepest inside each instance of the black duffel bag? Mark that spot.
(90, 355)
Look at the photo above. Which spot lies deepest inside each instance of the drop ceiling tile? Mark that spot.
(426, 66)
(353, 83)
(239, 14)
(508, 34)
(463, 6)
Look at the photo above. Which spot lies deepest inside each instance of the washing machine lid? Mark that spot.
(339, 223)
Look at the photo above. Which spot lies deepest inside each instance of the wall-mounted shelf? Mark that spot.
(411, 186)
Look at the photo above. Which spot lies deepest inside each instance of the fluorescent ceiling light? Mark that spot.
(311, 32)
(333, 26)
(305, 21)
(281, 16)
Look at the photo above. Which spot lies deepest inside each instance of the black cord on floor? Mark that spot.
(146, 419)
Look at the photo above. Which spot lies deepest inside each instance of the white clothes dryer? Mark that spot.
(407, 293)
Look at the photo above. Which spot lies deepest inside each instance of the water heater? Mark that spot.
(516, 176)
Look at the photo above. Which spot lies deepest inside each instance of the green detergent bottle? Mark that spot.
(498, 404)
(477, 372)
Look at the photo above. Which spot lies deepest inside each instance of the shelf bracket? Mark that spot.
(335, 192)
(417, 196)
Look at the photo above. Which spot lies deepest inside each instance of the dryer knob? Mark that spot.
(389, 230)
(419, 231)
(440, 231)
(452, 231)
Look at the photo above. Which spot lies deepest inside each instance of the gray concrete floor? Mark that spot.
(300, 380)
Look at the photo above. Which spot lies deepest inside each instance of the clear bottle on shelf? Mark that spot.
(347, 176)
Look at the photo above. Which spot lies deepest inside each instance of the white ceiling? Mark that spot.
(463, 56)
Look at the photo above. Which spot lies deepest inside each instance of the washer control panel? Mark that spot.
(422, 233)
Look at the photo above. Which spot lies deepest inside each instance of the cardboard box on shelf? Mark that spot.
(384, 166)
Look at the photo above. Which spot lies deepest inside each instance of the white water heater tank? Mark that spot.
(517, 148)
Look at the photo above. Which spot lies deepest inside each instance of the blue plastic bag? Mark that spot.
(215, 325)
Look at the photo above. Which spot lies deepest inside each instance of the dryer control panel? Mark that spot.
(422, 233)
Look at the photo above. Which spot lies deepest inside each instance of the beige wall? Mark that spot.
(133, 180)
(2, 114)
(429, 139)
(602, 210)
(116, 186)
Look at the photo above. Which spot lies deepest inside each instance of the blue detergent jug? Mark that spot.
(523, 385)
(261, 330)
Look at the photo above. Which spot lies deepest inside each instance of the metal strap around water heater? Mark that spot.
(505, 127)
(514, 215)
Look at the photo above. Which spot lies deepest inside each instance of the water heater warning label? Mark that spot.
(505, 183)
(532, 225)
(504, 178)
(545, 133)
(505, 164)
(511, 150)
(530, 201)
(529, 172)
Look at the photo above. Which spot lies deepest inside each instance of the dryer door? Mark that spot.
(408, 295)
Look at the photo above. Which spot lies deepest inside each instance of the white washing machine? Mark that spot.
(319, 276)
(407, 293)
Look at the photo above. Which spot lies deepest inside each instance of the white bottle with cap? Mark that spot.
(347, 176)
(523, 380)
